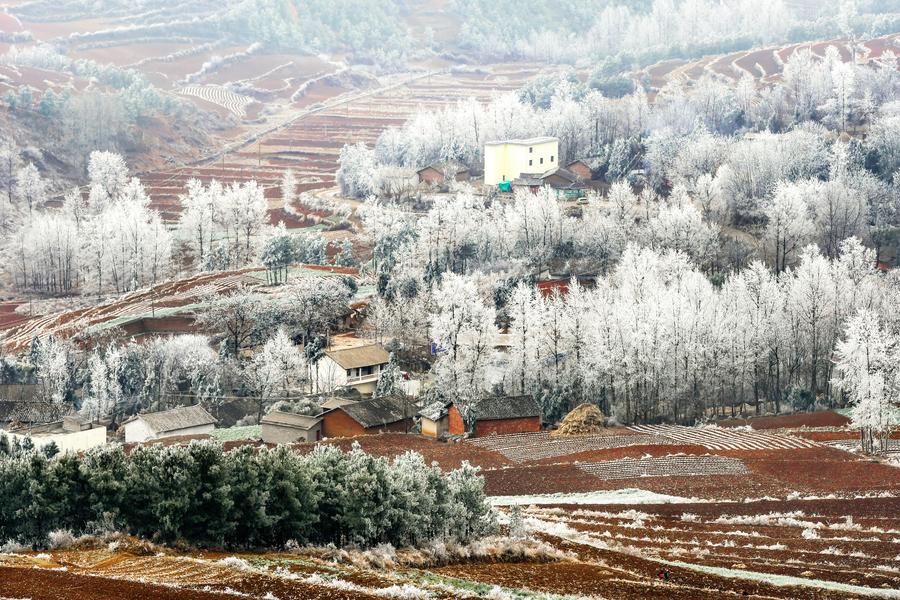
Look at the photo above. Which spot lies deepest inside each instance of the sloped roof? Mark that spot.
(523, 142)
(562, 172)
(377, 411)
(178, 418)
(435, 411)
(286, 419)
(336, 402)
(359, 356)
(507, 407)
(448, 166)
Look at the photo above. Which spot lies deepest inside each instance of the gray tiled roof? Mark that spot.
(507, 407)
(178, 418)
(377, 411)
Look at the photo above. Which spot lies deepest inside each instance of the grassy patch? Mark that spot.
(231, 434)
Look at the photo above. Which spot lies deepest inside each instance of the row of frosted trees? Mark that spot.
(245, 498)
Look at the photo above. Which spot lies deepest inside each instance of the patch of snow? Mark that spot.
(624, 496)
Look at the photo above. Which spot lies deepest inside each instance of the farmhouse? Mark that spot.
(185, 420)
(581, 169)
(388, 413)
(434, 419)
(508, 160)
(73, 434)
(499, 415)
(440, 173)
(560, 178)
(356, 367)
(286, 428)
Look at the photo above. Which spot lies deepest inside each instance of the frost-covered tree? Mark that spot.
(356, 174)
(30, 187)
(462, 330)
(789, 226)
(867, 372)
(288, 191)
(277, 369)
(108, 175)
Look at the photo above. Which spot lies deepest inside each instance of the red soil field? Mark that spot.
(816, 419)
(9, 23)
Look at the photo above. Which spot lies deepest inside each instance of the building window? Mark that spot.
(530, 149)
(530, 162)
(542, 160)
(349, 371)
(551, 158)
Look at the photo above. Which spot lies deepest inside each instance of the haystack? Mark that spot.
(582, 420)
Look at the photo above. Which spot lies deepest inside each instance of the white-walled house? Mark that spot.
(185, 420)
(71, 435)
(354, 367)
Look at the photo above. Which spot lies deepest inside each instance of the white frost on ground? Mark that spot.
(626, 496)
(785, 580)
(579, 537)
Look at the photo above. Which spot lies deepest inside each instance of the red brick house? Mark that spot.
(500, 415)
(386, 414)
(439, 173)
(581, 169)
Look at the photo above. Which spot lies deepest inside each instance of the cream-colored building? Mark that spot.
(356, 367)
(507, 160)
(185, 420)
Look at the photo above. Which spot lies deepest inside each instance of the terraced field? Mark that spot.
(167, 307)
(309, 143)
(216, 94)
(762, 64)
(601, 519)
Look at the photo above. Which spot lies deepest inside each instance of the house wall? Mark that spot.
(337, 423)
(200, 430)
(580, 169)
(283, 434)
(434, 428)
(138, 431)
(505, 162)
(432, 176)
(76, 441)
(505, 426)
(455, 423)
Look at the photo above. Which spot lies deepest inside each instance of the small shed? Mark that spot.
(280, 427)
(499, 415)
(440, 173)
(531, 183)
(434, 419)
(385, 414)
(185, 420)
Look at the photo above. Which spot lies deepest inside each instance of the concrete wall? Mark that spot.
(505, 426)
(283, 434)
(77, 441)
(434, 428)
(505, 162)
